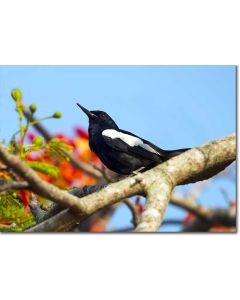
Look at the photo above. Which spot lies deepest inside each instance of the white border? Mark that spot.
(119, 266)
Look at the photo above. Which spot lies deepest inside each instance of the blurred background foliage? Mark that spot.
(49, 159)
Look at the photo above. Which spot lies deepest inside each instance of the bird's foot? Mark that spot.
(138, 171)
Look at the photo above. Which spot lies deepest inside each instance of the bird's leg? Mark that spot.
(136, 172)
(143, 169)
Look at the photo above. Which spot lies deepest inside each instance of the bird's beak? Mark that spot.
(87, 112)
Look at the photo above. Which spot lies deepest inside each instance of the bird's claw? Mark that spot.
(137, 172)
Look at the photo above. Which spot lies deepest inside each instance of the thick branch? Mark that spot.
(158, 196)
(178, 170)
(196, 164)
(61, 222)
(109, 195)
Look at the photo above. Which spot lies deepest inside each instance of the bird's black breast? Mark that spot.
(116, 155)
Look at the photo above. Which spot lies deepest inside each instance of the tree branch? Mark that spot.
(196, 164)
(158, 196)
(14, 185)
(134, 210)
(85, 167)
(217, 216)
(206, 217)
(157, 183)
(191, 206)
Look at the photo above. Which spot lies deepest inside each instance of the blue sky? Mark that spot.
(172, 106)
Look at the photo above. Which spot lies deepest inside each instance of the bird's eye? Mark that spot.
(102, 116)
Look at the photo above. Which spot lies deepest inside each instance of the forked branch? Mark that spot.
(157, 184)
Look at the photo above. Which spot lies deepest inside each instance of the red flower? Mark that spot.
(60, 136)
(189, 217)
(31, 136)
(30, 157)
(140, 208)
(25, 197)
(81, 132)
(98, 226)
(64, 139)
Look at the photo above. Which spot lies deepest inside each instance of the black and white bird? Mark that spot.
(121, 151)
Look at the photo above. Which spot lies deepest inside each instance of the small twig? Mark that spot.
(38, 126)
(226, 197)
(10, 171)
(4, 227)
(191, 206)
(205, 217)
(14, 185)
(137, 201)
(85, 167)
(134, 210)
(172, 222)
(130, 228)
(219, 216)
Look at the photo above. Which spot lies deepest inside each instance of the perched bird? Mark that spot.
(121, 151)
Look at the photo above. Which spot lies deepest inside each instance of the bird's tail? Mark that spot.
(172, 153)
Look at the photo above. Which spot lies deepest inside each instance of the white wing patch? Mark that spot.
(128, 139)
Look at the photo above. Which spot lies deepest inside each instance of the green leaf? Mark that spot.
(58, 148)
(43, 168)
(13, 216)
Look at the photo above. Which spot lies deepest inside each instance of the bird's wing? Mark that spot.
(127, 142)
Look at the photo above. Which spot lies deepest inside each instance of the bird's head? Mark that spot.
(99, 118)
